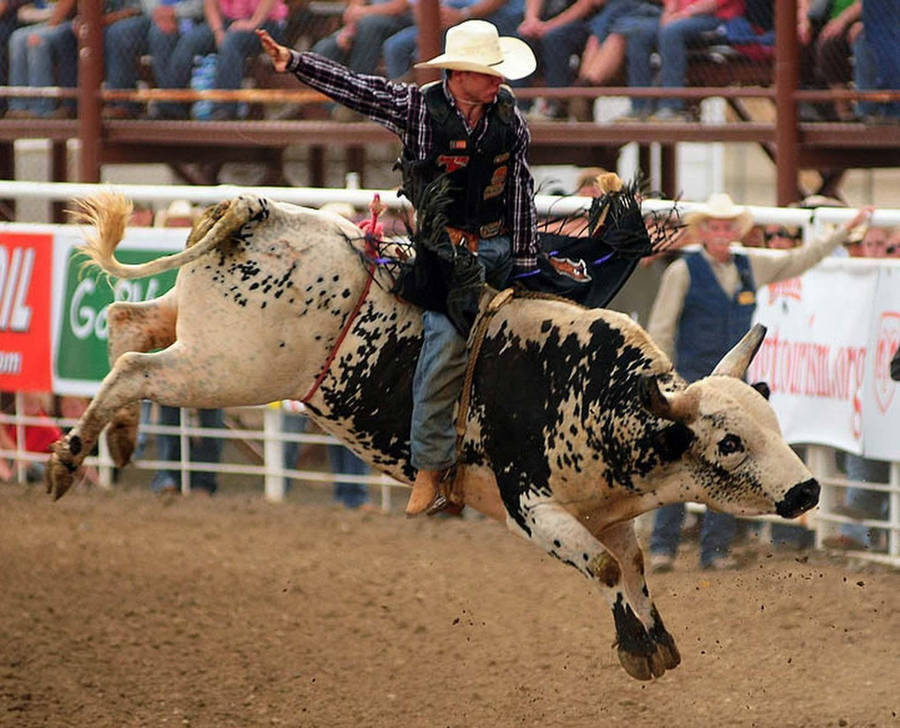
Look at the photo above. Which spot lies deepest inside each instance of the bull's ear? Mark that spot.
(678, 407)
(736, 361)
(673, 440)
(762, 388)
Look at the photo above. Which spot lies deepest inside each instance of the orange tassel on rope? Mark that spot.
(373, 229)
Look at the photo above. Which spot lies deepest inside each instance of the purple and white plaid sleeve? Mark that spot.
(396, 106)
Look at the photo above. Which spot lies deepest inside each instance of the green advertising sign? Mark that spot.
(83, 329)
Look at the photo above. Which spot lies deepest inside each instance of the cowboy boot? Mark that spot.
(424, 492)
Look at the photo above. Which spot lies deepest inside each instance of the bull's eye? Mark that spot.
(730, 444)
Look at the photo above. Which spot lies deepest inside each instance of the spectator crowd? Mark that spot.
(182, 44)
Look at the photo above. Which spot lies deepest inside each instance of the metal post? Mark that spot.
(104, 463)
(8, 171)
(185, 446)
(787, 58)
(668, 170)
(429, 21)
(820, 461)
(273, 453)
(90, 76)
(59, 170)
(21, 463)
(894, 511)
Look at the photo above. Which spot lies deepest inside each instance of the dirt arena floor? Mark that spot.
(127, 609)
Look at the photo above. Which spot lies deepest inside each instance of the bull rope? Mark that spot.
(449, 483)
(480, 331)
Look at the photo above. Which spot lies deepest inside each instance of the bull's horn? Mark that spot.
(677, 406)
(736, 361)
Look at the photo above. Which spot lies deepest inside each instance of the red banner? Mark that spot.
(26, 264)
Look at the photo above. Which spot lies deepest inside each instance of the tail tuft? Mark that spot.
(107, 215)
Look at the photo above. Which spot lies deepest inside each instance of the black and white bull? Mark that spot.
(577, 422)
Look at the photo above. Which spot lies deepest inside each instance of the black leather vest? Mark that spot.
(477, 171)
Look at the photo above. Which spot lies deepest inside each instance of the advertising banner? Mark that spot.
(83, 295)
(83, 334)
(26, 262)
(815, 353)
(881, 399)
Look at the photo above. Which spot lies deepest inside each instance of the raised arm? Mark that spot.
(280, 55)
(771, 266)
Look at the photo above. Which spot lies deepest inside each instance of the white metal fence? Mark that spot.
(822, 461)
(825, 520)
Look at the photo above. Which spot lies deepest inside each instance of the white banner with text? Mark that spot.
(831, 335)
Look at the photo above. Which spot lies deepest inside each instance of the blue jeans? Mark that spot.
(400, 49)
(365, 51)
(295, 424)
(716, 533)
(644, 34)
(204, 450)
(8, 24)
(236, 47)
(872, 503)
(441, 367)
(344, 461)
(557, 47)
(615, 15)
(36, 65)
(882, 31)
(124, 43)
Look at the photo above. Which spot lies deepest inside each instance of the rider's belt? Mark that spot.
(470, 239)
(465, 238)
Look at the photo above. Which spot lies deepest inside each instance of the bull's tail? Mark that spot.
(108, 215)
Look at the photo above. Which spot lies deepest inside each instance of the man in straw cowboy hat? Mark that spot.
(704, 305)
(467, 129)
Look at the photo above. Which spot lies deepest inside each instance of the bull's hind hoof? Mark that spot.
(60, 474)
(58, 478)
(120, 440)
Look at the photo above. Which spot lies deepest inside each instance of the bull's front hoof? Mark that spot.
(669, 653)
(638, 666)
(643, 667)
(665, 643)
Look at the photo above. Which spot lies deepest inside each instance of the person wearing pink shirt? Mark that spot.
(682, 22)
(228, 31)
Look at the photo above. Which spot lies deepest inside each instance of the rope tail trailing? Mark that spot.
(617, 219)
(107, 214)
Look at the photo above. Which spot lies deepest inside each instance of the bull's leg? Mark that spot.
(561, 535)
(139, 327)
(621, 541)
(135, 376)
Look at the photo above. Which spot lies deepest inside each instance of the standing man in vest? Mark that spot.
(467, 128)
(704, 305)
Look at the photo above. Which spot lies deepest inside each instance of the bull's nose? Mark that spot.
(798, 499)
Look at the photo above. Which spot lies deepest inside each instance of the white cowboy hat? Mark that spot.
(721, 207)
(475, 45)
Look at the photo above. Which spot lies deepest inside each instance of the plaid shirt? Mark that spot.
(400, 107)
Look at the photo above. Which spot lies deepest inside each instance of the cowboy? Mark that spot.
(704, 305)
(465, 129)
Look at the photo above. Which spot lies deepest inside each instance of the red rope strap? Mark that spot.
(373, 237)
